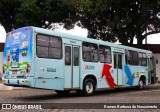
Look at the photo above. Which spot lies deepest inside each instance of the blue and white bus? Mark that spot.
(41, 58)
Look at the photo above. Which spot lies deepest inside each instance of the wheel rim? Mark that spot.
(141, 84)
(89, 87)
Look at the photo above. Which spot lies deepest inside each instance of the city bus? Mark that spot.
(41, 58)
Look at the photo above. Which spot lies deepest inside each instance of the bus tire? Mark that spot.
(64, 92)
(88, 87)
(141, 85)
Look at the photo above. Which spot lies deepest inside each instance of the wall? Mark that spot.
(1, 62)
(157, 55)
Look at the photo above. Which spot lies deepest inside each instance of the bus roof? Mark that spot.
(80, 38)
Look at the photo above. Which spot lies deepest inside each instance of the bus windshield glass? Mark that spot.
(18, 53)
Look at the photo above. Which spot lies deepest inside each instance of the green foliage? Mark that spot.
(108, 20)
(19, 13)
(119, 19)
(8, 11)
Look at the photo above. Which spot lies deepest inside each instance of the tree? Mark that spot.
(105, 19)
(36, 12)
(19, 13)
(119, 19)
(8, 11)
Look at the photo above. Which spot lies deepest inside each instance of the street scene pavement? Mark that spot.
(126, 95)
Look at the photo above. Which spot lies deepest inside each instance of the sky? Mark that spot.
(152, 39)
(2, 34)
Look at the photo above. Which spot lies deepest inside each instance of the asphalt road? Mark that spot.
(150, 94)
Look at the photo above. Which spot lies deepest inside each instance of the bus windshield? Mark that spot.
(18, 53)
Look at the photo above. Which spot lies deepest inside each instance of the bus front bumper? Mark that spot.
(16, 82)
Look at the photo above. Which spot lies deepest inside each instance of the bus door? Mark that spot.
(149, 70)
(118, 73)
(71, 72)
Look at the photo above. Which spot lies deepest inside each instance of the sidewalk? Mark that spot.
(156, 85)
(4, 87)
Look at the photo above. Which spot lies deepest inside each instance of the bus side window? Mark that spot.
(105, 54)
(76, 56)
(48, 46)
(94, 52)
(86, 54)
(135, 58)
(55, 49)
(142, 59)
(90, 52)
(126, 56)
(132, 57)
(67, 55)
(42, 46)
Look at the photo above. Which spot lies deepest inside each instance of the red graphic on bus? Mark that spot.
(108, 75)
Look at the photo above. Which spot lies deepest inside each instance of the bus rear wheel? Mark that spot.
(64, 92)
(141, 85)
(88, 87)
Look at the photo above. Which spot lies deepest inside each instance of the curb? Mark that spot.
(4, 87)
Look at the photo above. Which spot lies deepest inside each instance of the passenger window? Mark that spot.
(105, 54)
(67, 55)
(76, 56)
(140, 58)
(143, 59)
(42, 52)
(135, 60)
(120, 61)
(132, 57)
(90, 52)
(55, 42)
(49, 47)
(54, 53)
(115, 60)
(42, 40)
(126, 60)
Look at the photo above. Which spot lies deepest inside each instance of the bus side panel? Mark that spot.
(56, 84)
(95, 69)
(49, 73)
(31, 78)
(133, 74)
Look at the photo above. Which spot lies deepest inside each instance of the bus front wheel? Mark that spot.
(88, 87)
(141, 84)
